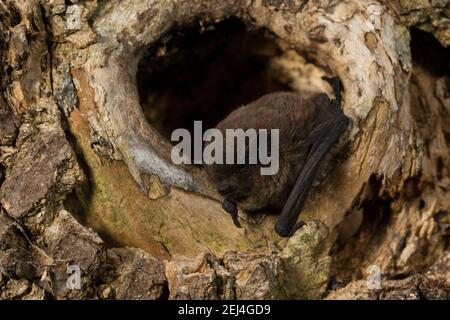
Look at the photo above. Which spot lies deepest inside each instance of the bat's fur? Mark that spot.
(297, 117)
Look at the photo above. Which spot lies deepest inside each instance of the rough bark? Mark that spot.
(82, 170)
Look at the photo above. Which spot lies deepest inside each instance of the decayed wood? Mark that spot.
(74, 138)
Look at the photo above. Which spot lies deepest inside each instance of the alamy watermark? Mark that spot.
(74, 280)
(373, 280)
(236, 149)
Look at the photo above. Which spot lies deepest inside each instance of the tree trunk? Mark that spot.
(91, 90)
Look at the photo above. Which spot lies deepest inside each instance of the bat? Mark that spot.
(308, 126)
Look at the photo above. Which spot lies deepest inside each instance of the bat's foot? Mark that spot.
(297, 226)
(288, 232)
(231, 208)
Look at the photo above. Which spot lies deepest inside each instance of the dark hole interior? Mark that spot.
(199, 73)
(432, 57)
(428, 52)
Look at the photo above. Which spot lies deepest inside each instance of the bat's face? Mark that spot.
(234, 182)
(243, 184)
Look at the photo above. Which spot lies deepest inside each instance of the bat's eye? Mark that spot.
(245, 170)
(225, 188)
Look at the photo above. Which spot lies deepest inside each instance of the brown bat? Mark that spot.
(308, 128)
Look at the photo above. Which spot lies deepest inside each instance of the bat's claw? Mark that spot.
(297, 226)
(284, 231)
(231, 208)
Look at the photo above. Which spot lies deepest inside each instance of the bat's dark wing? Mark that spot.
(329, 125)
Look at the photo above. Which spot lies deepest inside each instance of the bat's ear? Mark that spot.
(335, 84)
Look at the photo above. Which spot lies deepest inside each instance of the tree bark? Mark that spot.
(87, 180)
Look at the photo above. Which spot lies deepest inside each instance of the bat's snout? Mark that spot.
(225, 189)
